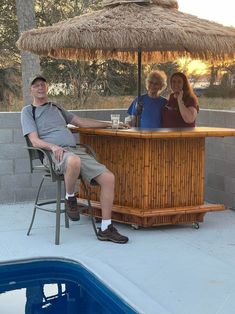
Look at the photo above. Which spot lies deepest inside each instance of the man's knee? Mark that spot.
(74, 162)
(106, 178)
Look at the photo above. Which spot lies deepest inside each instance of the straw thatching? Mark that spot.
(117, 31)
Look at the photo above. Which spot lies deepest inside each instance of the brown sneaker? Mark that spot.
(111, 234)
(71, 208)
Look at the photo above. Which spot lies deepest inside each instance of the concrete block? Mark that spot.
(229, 200)
(221, 167)
(25, 194)
(18, 136)
(49, 192)
(215, 181)
(6, 136)
(36, 180)
(6, 194)
(230, 120)
(203, 117)
(14, 181)
(217, 118)
(214, 195)
(6, 167)
(230, 185)
(12, 151)
(215, 150)
(231, 204)
(229, 140)
(22, 165)
(209, 165)
(10, 120)
(229, 153)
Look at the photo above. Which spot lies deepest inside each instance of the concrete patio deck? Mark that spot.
(172, 269)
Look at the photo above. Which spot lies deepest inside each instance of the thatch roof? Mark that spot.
(122, 27)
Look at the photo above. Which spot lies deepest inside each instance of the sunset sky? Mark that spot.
(217, 11)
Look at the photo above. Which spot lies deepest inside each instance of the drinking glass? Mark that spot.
(115, 118)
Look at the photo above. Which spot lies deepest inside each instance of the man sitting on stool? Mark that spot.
(45, 124)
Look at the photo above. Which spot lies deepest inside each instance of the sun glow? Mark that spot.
(193, 67)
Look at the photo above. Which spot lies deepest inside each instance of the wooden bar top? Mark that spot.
(158, 133)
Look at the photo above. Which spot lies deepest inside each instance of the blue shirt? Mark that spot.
(151, 114)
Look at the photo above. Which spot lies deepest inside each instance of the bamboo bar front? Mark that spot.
(159, 173)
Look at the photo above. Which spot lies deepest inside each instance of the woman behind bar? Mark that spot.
(182, 108)
(152, 102)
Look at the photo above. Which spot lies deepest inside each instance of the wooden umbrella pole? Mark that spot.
(139, 105)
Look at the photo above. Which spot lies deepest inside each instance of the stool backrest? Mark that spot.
(36, 156)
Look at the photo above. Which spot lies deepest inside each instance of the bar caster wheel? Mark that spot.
(135, 227)
(195, 225)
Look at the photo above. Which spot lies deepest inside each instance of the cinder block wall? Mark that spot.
(220, 158)
(18, 185)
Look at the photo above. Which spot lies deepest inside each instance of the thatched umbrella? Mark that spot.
(127, 29)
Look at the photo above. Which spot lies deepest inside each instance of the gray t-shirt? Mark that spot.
(50, 123)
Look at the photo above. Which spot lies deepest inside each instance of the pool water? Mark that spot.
(54, 286)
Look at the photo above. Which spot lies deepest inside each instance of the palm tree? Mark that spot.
(30, 63)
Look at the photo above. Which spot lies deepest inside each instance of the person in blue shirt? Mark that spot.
(152, 102)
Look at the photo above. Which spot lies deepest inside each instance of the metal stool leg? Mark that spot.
(66, 219)
(35, 206)
(58, 212)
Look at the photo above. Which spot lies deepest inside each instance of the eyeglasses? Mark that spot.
(154, 83)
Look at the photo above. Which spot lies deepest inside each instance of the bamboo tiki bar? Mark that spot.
(159, 174)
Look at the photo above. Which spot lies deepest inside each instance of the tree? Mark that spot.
(10, 87)
(81, 78)
(9, 54)
(30, 63)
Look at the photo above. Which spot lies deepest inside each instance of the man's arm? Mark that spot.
(90, 123)
(37, 142)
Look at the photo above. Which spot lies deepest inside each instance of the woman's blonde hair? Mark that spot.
(158, 76)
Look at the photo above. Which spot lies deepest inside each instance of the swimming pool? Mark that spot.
(54, 286)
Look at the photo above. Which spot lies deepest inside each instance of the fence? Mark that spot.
(18, 185)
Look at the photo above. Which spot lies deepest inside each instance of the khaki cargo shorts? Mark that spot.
(90, 167)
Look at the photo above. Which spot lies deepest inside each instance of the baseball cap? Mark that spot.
(37, 77)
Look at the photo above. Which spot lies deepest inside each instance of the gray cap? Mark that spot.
(36, 77)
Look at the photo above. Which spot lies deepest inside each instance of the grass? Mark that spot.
(99, 102)
(217, 103)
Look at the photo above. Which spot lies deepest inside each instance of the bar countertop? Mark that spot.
(158, 133)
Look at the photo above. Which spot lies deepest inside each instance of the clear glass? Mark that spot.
(128, 120)
(115, 118)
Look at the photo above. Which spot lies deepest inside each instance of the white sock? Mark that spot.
(105, 223)
(68, 195)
